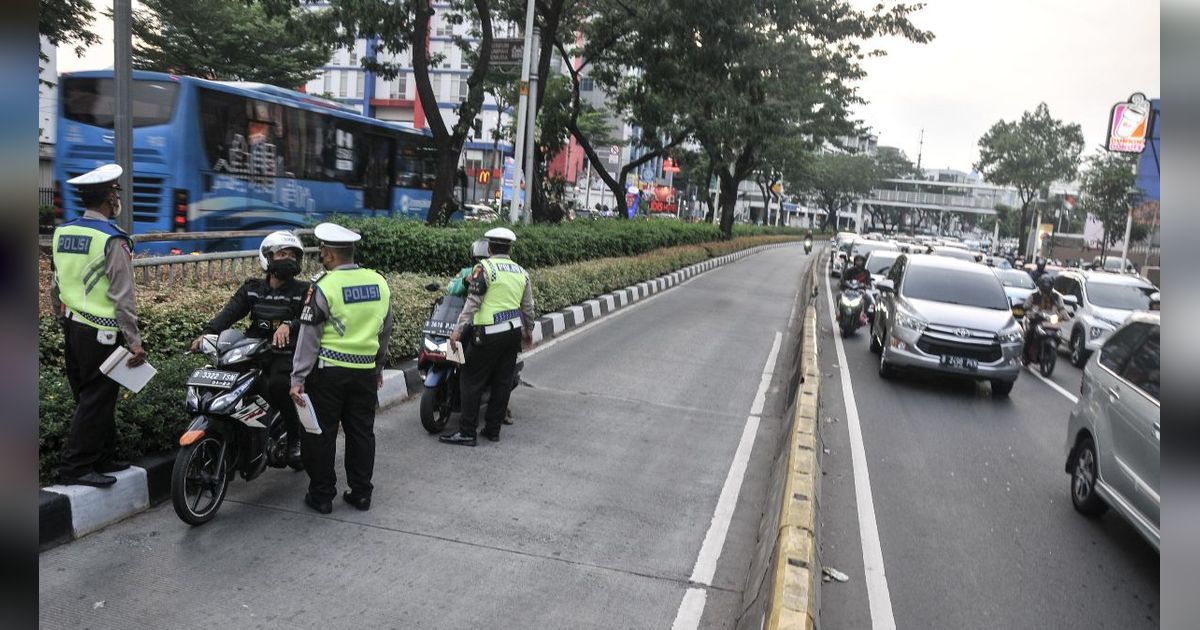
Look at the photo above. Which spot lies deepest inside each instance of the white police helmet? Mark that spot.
(276, 241)
(501, 235)
(479, 249)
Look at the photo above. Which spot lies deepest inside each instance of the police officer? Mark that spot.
(344, 331)
(500, 310)
(92, 295)
(273, 303)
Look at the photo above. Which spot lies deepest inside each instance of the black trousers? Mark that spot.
(93, 435)
(490, 367)
(278, 383)
(345, 397)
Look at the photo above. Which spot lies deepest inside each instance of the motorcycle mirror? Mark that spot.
(885, 286)
(1070, 300)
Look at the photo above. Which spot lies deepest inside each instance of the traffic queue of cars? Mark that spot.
(942, 311)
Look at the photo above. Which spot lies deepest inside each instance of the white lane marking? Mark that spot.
(691, 609)
(714, 540)
(879, 598)
(764, 383)
(1055, 386)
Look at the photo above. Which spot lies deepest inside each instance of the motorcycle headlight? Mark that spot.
(854, 301)
(224, 400)
(430, 346)
(1011, 335)
(905, 320)
(1053, 319)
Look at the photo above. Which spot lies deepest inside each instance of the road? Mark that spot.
(601, 507)
(972, 513)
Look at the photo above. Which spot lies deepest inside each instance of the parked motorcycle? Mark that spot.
(850, 307)
(441, 396)
(1042, 346)
(233, 429)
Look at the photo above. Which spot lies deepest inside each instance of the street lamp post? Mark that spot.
(122, 119)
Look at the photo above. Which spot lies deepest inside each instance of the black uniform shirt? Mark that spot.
(267, 308)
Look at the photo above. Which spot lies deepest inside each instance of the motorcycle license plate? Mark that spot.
(220, 379)
(962, 363)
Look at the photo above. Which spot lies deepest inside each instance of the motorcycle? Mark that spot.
(233, 429)
(1043, 342)
(441, 396)
(807, 246)
(850, 307)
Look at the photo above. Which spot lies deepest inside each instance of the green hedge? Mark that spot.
(152, 420)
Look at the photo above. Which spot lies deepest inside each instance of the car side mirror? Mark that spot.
(885, 286)
(1071, 300)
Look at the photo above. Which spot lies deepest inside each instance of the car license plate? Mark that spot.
(962, 363)
(220, 379)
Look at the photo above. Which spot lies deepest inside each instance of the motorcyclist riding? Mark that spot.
(1046, 301)
(857, 271)
(1040, 271)
(808, 239)
(273, 303)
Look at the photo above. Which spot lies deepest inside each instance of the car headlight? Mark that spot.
(904, 320)
(1011, 335)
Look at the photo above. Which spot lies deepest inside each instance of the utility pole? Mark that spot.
(123, 119)
(531, 132)
(514, 210)
(921, 149)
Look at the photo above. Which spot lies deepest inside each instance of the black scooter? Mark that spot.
(441, 396)
(1042, 345)
(233, 429)
(850, 307)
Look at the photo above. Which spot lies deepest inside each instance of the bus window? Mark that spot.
(90, 101)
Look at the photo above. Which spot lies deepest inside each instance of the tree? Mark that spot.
(1107, 184)
(227, 40)
(67, 22)
(400, 26)
(840, 179)
(1030, 154)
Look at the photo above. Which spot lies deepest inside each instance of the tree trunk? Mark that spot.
(728, 200)
(708, 200)
(1023, 231)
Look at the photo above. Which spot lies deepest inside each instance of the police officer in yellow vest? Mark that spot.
(344, 330)
(499, 310)
(92, 295)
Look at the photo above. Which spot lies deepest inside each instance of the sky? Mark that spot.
(989, 60)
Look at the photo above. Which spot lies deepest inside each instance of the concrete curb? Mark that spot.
(795, 574)
(70, 512)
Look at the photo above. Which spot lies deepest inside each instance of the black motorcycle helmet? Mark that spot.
(860, 260)
(1045, 284)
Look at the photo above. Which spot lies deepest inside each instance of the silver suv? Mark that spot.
(949, 316)
(1103, 301)
(1113, 436)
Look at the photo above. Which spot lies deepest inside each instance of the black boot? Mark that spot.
(293, 454)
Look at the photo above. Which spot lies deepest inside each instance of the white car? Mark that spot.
(1114, 435)
(1103, 302)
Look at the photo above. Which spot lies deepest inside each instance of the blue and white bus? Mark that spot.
(216, 156)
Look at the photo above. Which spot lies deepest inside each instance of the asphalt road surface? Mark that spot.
(970, 518)
(635, 473)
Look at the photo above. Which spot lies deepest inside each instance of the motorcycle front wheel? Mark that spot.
(435, 408)
(199, 480)
(1048, 359)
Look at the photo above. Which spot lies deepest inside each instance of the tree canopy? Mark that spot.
(1108, 182)
(1030, 154)
(227, 40)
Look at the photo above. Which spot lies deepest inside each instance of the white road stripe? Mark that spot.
(1058, 388)
(879, 598)
(691, 609)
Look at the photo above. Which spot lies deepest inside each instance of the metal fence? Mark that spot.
(182, 269)
(45, 196)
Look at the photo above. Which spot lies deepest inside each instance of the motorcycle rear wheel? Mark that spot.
(194, 475)
(1048, 359)
(435, 409)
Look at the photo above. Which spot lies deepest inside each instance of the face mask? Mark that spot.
(284, 269)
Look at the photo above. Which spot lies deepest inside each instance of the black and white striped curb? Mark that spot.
(69, 512)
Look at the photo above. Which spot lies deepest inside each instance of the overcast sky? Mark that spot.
(990, 59)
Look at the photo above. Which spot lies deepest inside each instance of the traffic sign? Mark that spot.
(614, 154)
(506, 53)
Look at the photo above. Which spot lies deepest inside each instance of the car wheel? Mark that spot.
(1079, 354)
(1002, 388)
(1084, 473)
(886, 370)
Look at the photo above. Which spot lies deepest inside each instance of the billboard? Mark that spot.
(1128, 125)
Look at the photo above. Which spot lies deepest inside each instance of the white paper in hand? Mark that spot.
(308, 415)
(455, 354)
(116, 367)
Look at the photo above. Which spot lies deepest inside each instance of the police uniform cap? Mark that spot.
(103, 175)
(335, 235)
(500, 235)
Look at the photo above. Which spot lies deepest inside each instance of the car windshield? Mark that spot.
(866, 247)
(1014, 278)
(955, 286)
(1127, 297)
(880, 262)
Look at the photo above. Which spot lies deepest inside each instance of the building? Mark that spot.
(47, 118)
